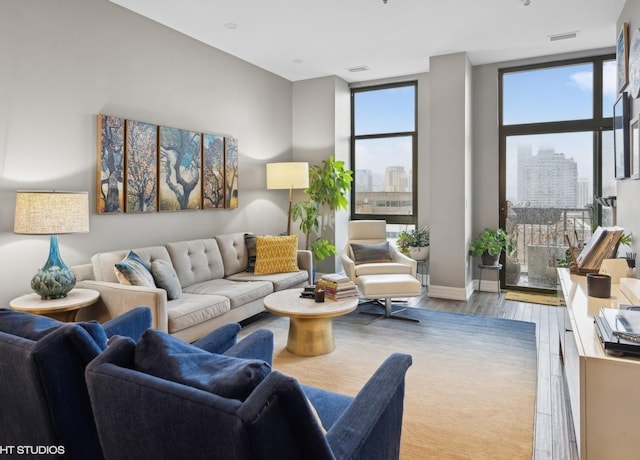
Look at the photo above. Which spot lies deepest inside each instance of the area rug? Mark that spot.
(525, 297)
(470, 393)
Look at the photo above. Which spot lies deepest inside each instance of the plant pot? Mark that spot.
(419, 253)
(512, 272)
(488, 259)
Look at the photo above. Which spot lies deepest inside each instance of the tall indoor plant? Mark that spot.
(329, 183)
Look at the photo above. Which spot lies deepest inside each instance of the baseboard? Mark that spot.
(450, 293)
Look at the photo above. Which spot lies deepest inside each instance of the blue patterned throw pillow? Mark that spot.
(135, 271)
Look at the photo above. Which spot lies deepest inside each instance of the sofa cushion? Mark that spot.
(191, 309)
(157, 353)
(166, 278)
(276, 254)
(135, 271)
(237, 292)
(104, 262)
(280, 281)
(196, 260)
(234, 253)
(371, 252)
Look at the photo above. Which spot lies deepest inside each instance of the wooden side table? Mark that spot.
(63, 309)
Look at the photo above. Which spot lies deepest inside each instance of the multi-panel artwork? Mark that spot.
(147, 168)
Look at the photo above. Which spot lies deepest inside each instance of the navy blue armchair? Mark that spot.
(142, 416)
(43, 396)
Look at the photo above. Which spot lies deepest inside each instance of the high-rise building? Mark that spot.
(395, 179)
(548, 180)
(364, 180)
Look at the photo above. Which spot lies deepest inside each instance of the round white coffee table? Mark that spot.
(63, 309)
(311, 325)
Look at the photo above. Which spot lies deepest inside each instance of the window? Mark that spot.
(384, 153)
(556, 154)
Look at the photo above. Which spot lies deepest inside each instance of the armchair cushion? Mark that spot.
(133, 270)
(276, 254)
(162, 355)
(371, 252)
(250, 243)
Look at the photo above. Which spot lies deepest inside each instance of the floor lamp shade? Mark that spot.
(52, 213)
(287, 176)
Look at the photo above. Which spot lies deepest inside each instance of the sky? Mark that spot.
(560, 93)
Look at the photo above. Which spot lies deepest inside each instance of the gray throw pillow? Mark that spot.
(166, 278)
(164, 356)
(369, 253)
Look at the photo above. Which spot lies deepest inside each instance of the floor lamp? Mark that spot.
(52, 213)
(287, 176)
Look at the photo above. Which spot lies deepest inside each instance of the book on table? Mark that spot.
(619, 329)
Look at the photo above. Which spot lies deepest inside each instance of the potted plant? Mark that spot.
(415, 243)
(329, 184)
(489, 244)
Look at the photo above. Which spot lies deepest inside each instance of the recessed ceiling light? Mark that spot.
(563, 36)
(231, 25)
(360, 68)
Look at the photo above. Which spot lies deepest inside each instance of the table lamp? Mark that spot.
(52, 213)
(287, 175)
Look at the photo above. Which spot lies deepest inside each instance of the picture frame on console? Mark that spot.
(621, 136)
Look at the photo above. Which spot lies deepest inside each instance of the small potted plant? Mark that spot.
(415, 243)
(489, 244)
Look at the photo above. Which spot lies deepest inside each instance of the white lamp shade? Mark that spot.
(51, 212)
(288, 175)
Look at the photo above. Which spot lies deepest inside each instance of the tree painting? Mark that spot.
(111, 164)
(141, 166)
(180, 159)
(231, 172)
(213, 171)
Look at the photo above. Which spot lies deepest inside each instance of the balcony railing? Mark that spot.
(540, 237)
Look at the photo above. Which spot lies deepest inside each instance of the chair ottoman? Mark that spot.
(388, 286)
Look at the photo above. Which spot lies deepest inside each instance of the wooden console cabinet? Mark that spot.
(604, 391)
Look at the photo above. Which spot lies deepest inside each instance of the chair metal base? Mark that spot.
(389, 314)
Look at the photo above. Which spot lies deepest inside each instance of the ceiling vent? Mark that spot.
(564, 36)
(361, 68)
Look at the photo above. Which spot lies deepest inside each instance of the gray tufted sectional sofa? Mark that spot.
(216, 288)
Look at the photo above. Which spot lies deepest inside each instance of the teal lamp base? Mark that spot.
(54, 280)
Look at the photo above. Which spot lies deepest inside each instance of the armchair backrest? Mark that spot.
(181, 421)
(372, 231)
(44, 398)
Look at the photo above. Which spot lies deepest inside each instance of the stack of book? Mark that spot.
(619, 329)
(337, 286)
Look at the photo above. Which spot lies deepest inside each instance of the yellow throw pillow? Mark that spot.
(276, 254)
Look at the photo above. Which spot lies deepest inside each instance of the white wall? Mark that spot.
(629, 190)
(64, 62)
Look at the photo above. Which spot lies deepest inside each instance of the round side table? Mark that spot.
(63, 309)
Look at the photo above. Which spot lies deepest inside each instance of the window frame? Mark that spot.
(596, 124)
(411, 219)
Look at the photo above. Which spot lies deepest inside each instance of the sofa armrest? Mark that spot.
(116, 299)
(257, 345)
(305, 262)
(372, 424)
(219, 340)
(130, 324)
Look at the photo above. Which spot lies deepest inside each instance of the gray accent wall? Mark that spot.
(63, 62)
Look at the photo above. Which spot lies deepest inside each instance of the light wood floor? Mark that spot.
(553, 437)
